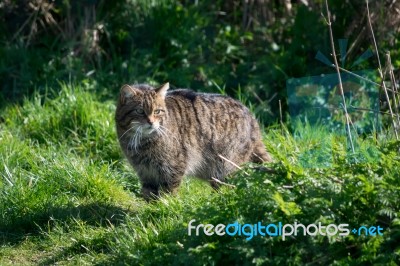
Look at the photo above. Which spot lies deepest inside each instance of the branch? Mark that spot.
(222, 183)
(328, 18)
(381, 73)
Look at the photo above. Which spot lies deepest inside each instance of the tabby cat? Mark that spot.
(166, 135)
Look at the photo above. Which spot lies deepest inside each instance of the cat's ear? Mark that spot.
(127, 92)
(162, 90)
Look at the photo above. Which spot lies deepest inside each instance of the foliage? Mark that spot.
(194, 44)
(68, 197)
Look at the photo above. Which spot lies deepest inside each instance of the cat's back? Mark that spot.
(202, 104)
(213, 116)
(192, 96)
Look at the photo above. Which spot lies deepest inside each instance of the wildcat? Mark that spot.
(168, 134)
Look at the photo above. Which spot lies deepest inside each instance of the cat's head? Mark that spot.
(141, 110)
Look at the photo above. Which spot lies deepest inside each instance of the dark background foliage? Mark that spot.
(253, 46)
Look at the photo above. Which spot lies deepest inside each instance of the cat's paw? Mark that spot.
(150, 193)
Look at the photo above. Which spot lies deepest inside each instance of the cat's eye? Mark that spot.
(139, 111)
(158, 111)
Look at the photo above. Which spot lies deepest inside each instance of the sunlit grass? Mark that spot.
(67, 196)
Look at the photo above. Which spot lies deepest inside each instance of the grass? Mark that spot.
(68, 197)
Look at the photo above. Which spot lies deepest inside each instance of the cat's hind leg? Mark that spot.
(216, 175)
(216, 182)
(260, 154)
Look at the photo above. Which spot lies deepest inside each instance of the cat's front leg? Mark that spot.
(150, 191)
(166, 183)
(171, 183)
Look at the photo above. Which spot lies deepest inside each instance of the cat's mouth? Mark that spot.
(148, 130)
(140, 131)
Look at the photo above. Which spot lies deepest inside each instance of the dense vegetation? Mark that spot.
(67, 196)
(197, 44)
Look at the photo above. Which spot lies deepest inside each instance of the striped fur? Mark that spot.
(166, 135)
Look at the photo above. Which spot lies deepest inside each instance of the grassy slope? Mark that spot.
(68, 197)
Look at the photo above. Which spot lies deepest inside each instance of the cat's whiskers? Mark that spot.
(135, 140)
(129, 129)
(161, 132)
(138, 137)
(130, 144)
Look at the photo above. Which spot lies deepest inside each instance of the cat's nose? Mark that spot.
(150, 120)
